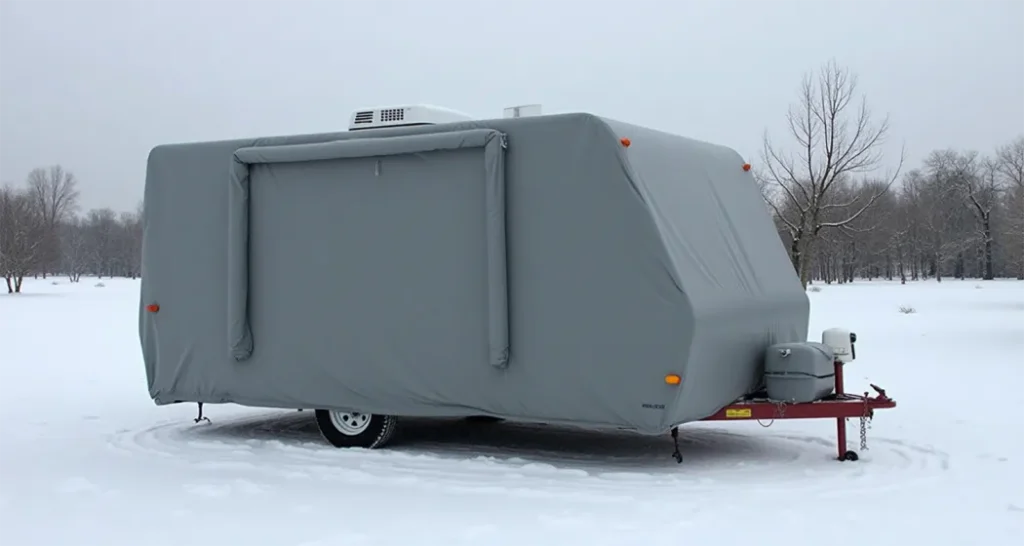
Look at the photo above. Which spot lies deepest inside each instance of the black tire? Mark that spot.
(366, 430)
(483, 419)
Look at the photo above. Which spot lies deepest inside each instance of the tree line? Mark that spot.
(959, 214)
(43, 233)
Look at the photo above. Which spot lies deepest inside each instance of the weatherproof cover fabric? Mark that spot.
(531, 268)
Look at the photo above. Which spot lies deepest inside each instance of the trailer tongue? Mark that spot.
(837, 404)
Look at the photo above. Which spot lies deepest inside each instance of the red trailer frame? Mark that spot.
(839, 406)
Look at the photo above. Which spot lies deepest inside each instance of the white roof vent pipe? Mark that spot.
(525, 110)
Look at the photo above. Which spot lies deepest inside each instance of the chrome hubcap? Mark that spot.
(350, 423)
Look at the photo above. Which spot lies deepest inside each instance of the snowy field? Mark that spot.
(87, 459)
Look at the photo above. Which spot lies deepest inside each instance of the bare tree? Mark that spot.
(974, 181)
(947, 227)
(837, 141)
(54, 195)
(960, 215)
(21, 231)
(870, 235)
(129, 248)
(1011, 159)
(102, 232)
(74, 250)
(133, 241)
(1010, 164)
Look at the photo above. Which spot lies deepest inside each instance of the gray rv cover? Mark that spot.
(533, 268)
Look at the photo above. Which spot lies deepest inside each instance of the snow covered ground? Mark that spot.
(87, 459)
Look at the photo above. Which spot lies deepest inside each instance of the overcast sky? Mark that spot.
(93, 85)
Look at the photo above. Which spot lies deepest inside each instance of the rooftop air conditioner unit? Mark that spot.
(403, 116)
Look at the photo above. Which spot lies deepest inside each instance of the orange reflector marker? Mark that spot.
(625, 142)
(673, 379)
(152, 308)
(746, 166)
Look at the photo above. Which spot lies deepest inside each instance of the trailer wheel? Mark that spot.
(354, 429)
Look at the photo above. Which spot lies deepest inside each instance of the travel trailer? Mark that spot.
(562, 268)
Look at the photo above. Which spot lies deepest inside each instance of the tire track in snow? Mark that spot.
(532, 461)
(888, 465)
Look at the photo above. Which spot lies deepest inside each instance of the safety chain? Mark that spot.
(780, 412)
(865, 424)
